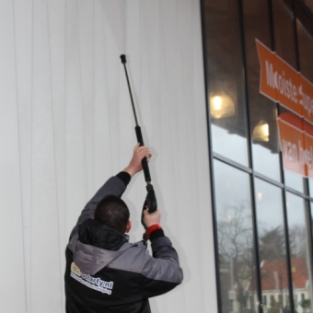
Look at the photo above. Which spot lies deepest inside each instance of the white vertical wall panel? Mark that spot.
(12, 257)
(23, 53)
(56, 28)
(75, 160)
(69, 125)
(45, 249)
(101, 118)
(87, 66)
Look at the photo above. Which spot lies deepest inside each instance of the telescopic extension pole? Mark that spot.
(150, 203)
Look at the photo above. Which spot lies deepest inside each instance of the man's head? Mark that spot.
(113, 212)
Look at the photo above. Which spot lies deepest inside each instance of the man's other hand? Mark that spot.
(150, 219)
(135, 163)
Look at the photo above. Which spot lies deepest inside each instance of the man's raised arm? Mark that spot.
(115, 185)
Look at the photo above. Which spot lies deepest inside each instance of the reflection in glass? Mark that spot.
(235, 239)
(221, 105)
(283, 32)
(285, 48)
(294, 180)
(261, 132)
(311, 187)
(263, 112)
(272, 248)
(301, 262)
(305, 45)
(225, 80)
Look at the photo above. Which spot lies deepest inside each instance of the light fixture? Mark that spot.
(261, 132)
(221, 105)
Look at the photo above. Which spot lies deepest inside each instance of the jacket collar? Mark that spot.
(99, 235)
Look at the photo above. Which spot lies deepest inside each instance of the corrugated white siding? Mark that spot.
(66, 125)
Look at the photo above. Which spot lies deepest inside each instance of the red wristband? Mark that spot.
(152, 228)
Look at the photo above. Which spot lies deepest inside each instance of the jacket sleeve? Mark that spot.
(113, 186)
(162, 272)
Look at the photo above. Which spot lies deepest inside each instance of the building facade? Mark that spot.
(259, 129)
(233, 183)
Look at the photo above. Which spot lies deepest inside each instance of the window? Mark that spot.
(225, 84)
(263, 111)
(235, 237)
(263, 222)
(298, 219)
(272, 244)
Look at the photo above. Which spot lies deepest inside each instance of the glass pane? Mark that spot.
(272, 248)
(294, 180)
(285, 48)
(235, 239)
(263, 112)
(284, 33)
(305, 44)
(311, 187)
(225, 79)
(300, 250)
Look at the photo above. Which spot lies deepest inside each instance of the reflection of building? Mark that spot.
(236, 275)
(275, 290)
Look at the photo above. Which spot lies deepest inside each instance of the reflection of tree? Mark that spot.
(237, 263)
(272, 244)
(235, 239)
(297, 238)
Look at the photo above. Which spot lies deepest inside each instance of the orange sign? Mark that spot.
(282, 83)
(308, 143)
(296, 142)
(306, 98)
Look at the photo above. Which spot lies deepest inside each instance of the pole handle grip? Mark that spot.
(139, 135)
(123, 58)
(144, 161)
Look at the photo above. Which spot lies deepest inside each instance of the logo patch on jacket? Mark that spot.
(91, 282)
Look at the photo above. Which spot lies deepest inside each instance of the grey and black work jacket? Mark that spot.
(105, 273)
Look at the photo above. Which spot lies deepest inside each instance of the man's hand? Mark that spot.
(135, 163)
(150, 219)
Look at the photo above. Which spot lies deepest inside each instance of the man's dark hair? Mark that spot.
(113, 212)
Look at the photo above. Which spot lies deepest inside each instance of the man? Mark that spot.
(104, 272)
